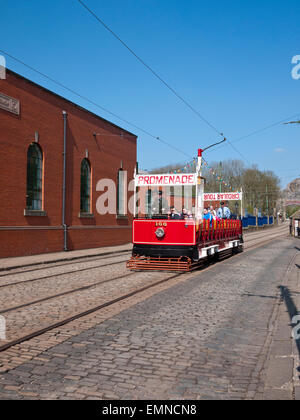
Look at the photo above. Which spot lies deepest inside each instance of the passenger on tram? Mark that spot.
(190, 215)
(213, 212)
(223, 212)
(184, 214)
(207, 215)
(173, 214)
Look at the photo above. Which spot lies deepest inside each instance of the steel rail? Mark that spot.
(113, 301)
(81, 314)
(59, 274)
(69, 261)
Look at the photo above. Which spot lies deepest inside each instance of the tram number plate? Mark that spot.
(160, 224)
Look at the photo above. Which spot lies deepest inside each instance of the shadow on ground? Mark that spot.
(293, 314)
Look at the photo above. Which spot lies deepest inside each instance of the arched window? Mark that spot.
(34, 194)
(85, 187)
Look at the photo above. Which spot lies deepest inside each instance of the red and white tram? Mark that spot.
(169, 232)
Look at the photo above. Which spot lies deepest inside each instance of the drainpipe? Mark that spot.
(65, 116)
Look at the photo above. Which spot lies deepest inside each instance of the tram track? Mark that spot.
(66, 273)
(68, 317)
(274, 235)
(80, 260)
(263, 233)
(249, 248)
(60, 274)
(47, 266)
(84, 313)
(67, 292)
(68, 260)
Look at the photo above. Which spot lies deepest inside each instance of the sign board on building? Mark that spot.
(9, 104)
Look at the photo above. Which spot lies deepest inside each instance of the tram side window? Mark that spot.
(34, 178)
(85, 186)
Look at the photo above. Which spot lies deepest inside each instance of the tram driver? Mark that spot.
(159, 204)
(173, 214)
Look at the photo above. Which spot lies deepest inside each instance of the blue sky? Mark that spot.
(231, 60)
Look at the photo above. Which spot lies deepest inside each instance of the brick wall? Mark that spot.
(41, 111)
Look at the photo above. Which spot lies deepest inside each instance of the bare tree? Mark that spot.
(261, 189)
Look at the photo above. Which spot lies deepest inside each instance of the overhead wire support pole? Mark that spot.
(242, 209)
(290, 122)
(212, 145)
(268, 202)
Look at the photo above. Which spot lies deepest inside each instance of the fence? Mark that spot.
(257, 221)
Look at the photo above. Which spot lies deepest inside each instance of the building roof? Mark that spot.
(67, 100)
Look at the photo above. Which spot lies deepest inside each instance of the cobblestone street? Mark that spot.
(223, 333)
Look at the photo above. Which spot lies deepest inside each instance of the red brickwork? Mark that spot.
(41, 111)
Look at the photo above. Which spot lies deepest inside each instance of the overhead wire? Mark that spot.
(260, 130)
(95, 104)
(160, 78)
(125, 120)
(150, 68)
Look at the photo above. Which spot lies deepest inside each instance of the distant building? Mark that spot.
(34, 122)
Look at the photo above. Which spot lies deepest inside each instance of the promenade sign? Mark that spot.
(165, 180)
(232, 196)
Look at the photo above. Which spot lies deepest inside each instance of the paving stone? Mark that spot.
(204, 336)
(277, 394)
(281, 347)
(280, 372)
(283, 332)
(297, 393)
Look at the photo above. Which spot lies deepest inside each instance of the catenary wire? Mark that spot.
(260, 130)
(128, 122)
(95, 104)
(160, 78)
(150, 69)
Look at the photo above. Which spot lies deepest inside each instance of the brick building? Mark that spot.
(48, 197)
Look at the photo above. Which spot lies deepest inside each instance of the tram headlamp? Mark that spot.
(160, 233)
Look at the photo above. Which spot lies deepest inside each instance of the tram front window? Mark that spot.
(160, 202)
